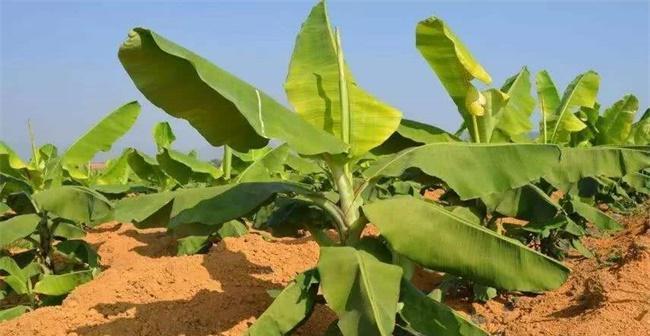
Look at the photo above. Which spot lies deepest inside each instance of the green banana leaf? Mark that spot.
(612, 162)
(615, 125)
(598, 218)
(640, 133)
(191, 245)
(43, 155)
(147, 169)
(15, 172)
(145, 211)
(266, 166)
(67, 230)
(412, 133)
(514, 120)
(13, 312)
(495, 102)
(435, 238)
(17, 278)
(362, 290)
(205, 206)
(423, 133)
(185, 168)
(639, 181)
(117, 171)
(79, 249)
(313, 89)
(99, 138)
(426, 316)
(581, 92)
(222, 108)
(10, 160)
(472, 170)
(17, 227)
(60, 284)
(293, 305)
(163, 135)
(549, 101)
(4, 208)
(78, 204)
(450, 60)
(528, 202)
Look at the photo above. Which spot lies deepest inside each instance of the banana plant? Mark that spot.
(42, 252)
(503, 115)
(589, 128)
(183, 168)
(46, 169)
(364, 279)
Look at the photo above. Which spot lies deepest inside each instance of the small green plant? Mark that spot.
(42, 252)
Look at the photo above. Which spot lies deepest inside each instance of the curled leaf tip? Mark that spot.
(133, 40)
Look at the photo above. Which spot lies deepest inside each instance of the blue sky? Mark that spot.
(59, 66)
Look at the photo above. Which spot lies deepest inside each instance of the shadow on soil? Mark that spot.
(156, 244)
(242, 296)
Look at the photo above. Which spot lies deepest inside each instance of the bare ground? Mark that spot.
(145, 290)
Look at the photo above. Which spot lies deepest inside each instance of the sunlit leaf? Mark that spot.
(312, 87)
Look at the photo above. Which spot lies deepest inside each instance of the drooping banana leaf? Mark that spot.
(75, 203)
(528, 202)
(222, 108)
(203, 206)
(294, 304)
(66, 229)
(612, 162)
(581, 92)
(412, 133)
(145, 211)
(472, 170)
(639, 181)
(17, 278)
(615, 126)
(10, 184)
(17, 227)
(312, 87)
(61, 284)
(362, 290)
(22, 203)
(10, 163)
(598, 218)
(99, 138)
(423, 133)
(13, 312)
(435, 238)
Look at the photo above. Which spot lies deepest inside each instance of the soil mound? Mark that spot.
(146, 290)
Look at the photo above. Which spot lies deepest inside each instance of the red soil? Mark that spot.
(145, 290)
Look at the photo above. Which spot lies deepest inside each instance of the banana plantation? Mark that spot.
(493, 208)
